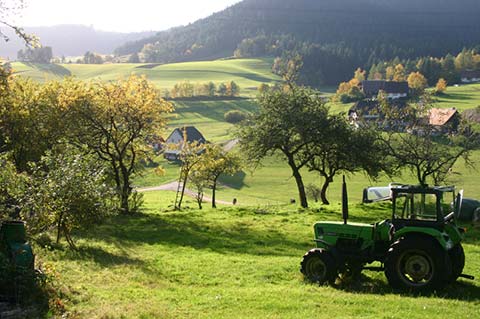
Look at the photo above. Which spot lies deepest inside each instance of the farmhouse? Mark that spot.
(178, 137)
(370, 110)
(444, 120)
(393, 89)
(469, 76)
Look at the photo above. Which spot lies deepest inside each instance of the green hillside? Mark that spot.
(248, 73)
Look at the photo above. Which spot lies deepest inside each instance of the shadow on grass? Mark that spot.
(457, 96)
(100, 257)
(184, 230)
(459, 290)
(50, 68)
(236, 181)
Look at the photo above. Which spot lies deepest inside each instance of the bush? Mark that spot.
(235, 116)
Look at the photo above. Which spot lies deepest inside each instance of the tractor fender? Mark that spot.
(435, 234)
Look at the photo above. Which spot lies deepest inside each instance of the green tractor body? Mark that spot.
(419, 248)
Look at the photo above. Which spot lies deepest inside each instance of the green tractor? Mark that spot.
(419, 247)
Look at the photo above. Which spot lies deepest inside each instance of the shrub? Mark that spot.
(235, 116)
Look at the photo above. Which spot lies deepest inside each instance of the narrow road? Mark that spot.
(172, 186)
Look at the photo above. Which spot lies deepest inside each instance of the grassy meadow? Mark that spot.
(231, 263)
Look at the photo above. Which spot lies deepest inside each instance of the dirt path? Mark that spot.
(172, 186)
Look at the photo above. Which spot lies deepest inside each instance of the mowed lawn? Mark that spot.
(232, 263)
(247, 73)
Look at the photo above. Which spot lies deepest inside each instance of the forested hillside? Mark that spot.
(334, 37)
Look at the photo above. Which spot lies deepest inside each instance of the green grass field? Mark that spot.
(231, 263)
(248, 73)
(461, 97)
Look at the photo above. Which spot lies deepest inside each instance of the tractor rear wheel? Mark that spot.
(457, 257)
(318, 266)
(417, 264)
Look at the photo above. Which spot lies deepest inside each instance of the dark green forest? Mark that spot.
(334, 37)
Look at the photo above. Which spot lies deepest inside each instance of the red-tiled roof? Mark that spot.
(439, 117)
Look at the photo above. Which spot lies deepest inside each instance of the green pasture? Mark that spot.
(462, 97)
(247, 73)
(231, 263)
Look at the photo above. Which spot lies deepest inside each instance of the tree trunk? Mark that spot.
(214, 188)
(126, 189)
(183, 190)
(323, 192)
(298, 179)
(59, 227)
(199, 199)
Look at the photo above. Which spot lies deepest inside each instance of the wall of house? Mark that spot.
(175, 138)
(396, 95)
(470, 80)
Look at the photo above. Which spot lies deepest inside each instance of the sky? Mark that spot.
(119, 15)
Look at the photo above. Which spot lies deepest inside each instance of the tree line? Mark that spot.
(419, 73)
(187, 89)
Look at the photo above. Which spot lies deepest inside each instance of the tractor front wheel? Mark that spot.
(417, 264)
(318, 266)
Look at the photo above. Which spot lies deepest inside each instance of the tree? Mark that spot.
(441, 86)
(417, 82)
(32, 117)
(113, 120)
(200, 181)
(92, 58)
(36, 55)
(399, 73)
(389, 73)
(233, 89)
(69, 190)
(426, 156)
(288, 66)
(211, 88)
(13, 186)
(313, 191)
(134, 58)
(429, 156)
(360, 75)
(190, 153)
(215, 162)
(284, 124)
(341, 148)
(222, 89)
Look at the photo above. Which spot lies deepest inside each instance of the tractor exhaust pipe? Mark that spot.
(344, 201)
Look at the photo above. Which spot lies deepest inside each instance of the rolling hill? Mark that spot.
(248, 73)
